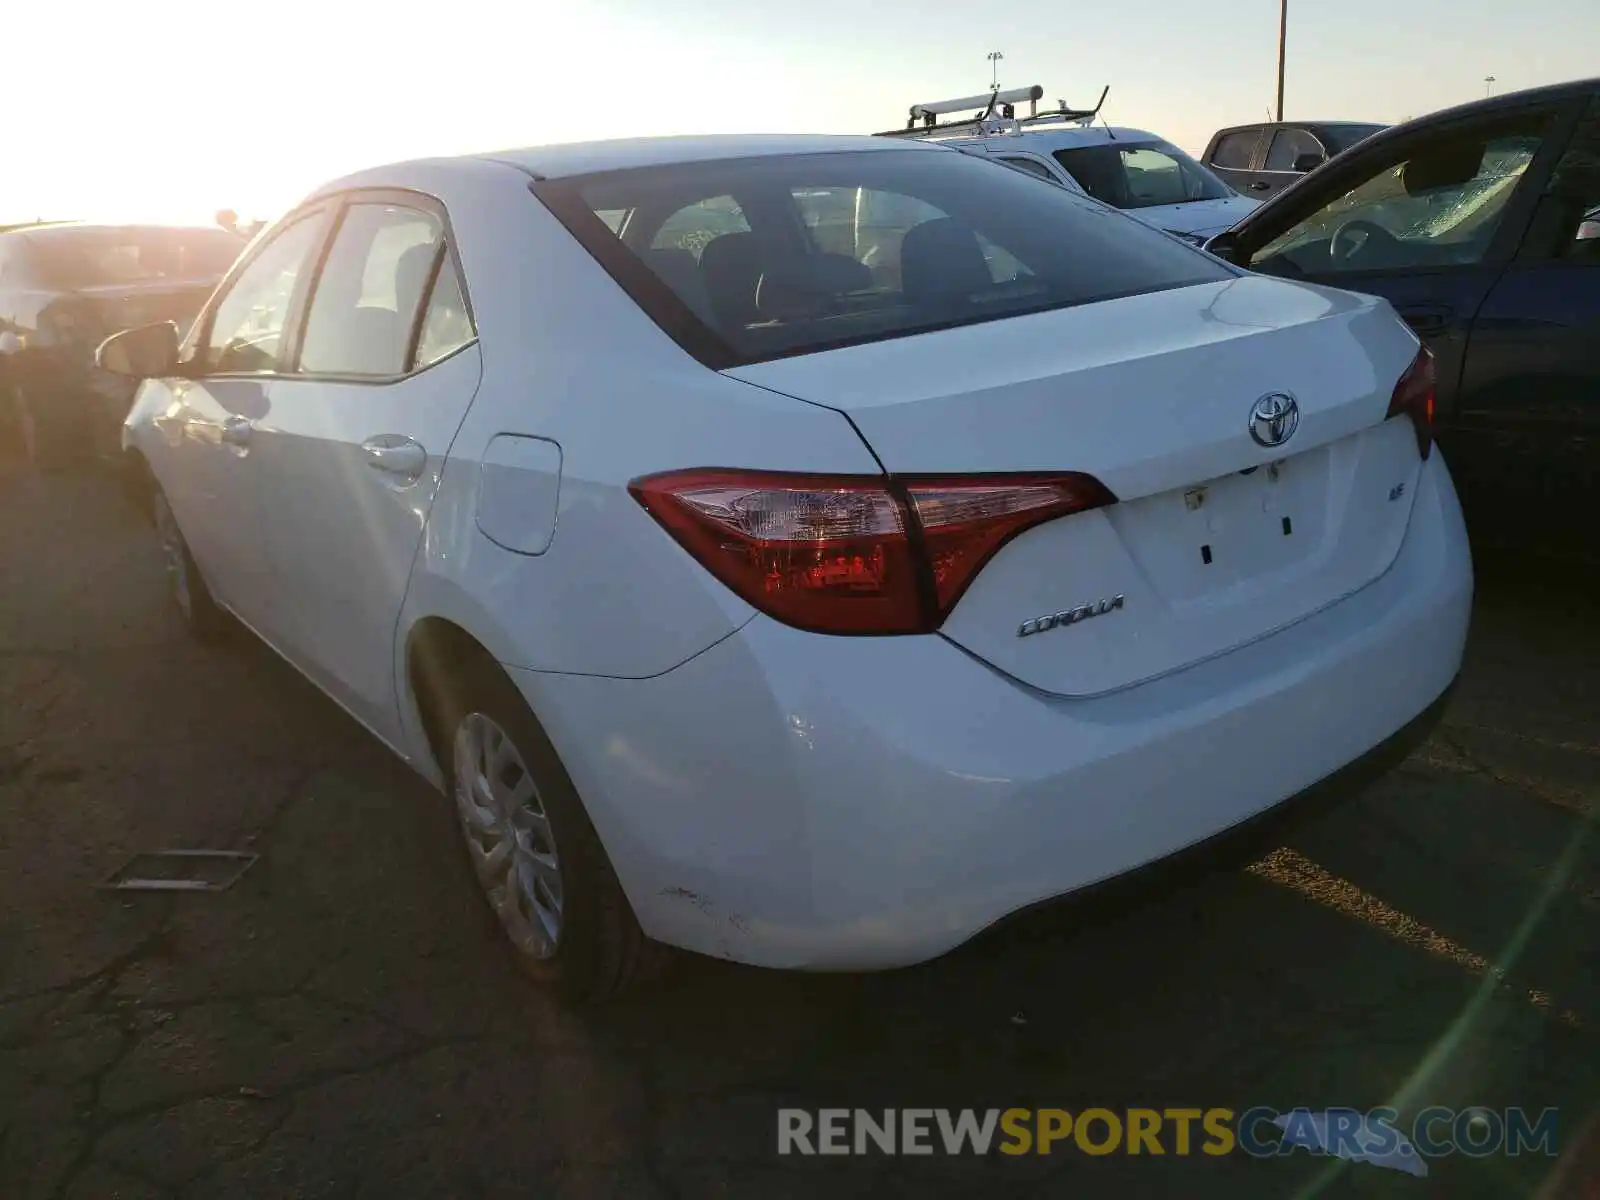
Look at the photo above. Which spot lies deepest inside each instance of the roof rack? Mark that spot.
(997, 114)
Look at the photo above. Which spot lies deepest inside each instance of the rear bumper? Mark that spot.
(1251, 838)
(792, 800)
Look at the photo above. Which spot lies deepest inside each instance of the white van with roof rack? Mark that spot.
(1131, 169)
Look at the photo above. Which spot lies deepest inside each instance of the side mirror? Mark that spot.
(148, 352)
(1224, 246)
(1306, 163)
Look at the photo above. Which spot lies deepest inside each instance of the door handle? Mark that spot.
(399, 457)
(1260, 185)
(236, 432)
(1426, 322)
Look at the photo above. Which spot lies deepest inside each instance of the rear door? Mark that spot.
(349, 453)
(1234, 155)
(1429, 222)
(1528, 418)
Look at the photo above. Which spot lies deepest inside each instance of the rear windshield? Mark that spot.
(79, 258)
(750, 259)
(1141, 174)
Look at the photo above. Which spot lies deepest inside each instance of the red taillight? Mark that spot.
(853, 553)
(1413, 396)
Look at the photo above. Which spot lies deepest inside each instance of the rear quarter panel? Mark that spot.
(570, 358)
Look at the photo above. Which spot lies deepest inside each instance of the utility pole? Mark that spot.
(1488, 85)
(994, 70)
(1283, 41)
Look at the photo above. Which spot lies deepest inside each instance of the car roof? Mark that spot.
(1508, 102)
(57, 229)
(1067, 138)
(1309, 124)
(583, 158)
(1505, 101)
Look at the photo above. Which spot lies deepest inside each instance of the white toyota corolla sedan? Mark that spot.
(806, 551)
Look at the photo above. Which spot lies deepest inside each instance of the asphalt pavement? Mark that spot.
(343, 1023)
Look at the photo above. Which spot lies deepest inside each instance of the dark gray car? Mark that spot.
(1261, 160)
(66, 287)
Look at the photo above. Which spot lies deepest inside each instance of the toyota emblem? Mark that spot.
(1274, 418)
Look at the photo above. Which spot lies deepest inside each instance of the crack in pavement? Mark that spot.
(1566, 799)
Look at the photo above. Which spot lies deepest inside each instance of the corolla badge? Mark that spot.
(1274, 418)
(1070, 616)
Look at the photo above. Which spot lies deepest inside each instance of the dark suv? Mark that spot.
(65, 287)
(1260, 160)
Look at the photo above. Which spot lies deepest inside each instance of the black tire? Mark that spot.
(600, 950)
(187, 587)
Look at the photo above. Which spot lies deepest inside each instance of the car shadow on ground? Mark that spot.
(344, 1022)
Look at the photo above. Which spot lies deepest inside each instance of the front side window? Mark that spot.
(1575, 191)
(1339, 138)
(370, 290)
(1439, 207)
(1140, 174)
(246, 331)
(1288, 147)
(838, 248)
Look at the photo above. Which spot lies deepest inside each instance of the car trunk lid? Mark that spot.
(1216, 540)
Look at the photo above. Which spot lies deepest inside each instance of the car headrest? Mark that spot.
(411, 276)
(679, 271)
(809, 286)
(730, 268)
(941, 260)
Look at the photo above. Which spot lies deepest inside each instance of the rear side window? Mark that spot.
(1140, 174)
(370, 290)
(1339, 138)
(1235, 150)
(824, 250)
(1031, 166)
(446, 324)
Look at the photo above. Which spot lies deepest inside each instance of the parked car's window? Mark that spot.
(1141, 174)
(1236, 150)
(1288, 145)
(870, 225)
(365, 306)
(1339, 138)
(1576, 187)
(1031, 166)
(446, 326)
(246, 332)
(94, 257)
(900, 241)
(693, 225)
(1438, 208)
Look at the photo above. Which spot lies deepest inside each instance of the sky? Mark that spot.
(174, 111)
